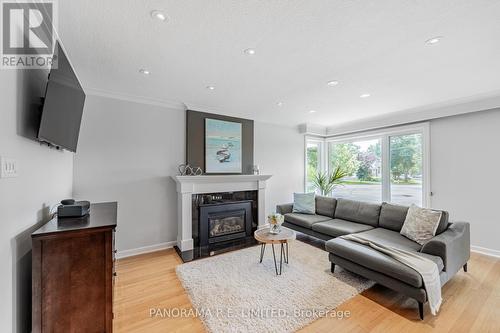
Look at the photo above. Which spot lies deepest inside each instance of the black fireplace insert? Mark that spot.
(220, 222)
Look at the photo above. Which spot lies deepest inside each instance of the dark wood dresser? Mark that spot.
(73, 272)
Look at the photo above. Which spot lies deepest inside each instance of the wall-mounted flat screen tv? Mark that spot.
(63, 105)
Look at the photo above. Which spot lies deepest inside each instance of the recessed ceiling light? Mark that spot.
(434, 40)
(312, 111)
(159, 15)
(280, 104)
(365, 95)
(249, 51)
(144, 71)
(332, 83)
(210, 87)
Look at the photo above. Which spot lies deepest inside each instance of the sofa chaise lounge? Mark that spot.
(382, 223)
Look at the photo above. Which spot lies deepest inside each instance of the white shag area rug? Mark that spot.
(233, 292)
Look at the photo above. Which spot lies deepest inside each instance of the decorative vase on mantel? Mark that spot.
(275, 221)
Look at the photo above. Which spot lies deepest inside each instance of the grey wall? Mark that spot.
(279, 151)
(45, 177)
(128, 151)
(464, 172)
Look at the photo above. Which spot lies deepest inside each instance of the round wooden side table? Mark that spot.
(283, 238)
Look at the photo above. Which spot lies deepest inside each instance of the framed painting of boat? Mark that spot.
(222, 146)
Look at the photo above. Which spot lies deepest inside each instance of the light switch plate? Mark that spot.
(8, 167)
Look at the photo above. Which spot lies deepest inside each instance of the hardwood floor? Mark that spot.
(148, 282)
(471, 301)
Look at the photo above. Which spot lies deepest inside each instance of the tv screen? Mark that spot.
(63, 106)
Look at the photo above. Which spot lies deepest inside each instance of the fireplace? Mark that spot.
(195, 191)
(224, 221)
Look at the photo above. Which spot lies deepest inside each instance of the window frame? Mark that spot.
(321, 155)
(384, 136)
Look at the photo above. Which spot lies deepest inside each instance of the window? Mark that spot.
(362, 161)
(406, 168)
(387, 165)
(314, 151)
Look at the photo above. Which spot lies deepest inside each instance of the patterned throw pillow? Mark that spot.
(420, 224)
(304, 203)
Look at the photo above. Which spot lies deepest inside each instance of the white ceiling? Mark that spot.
(375, 47)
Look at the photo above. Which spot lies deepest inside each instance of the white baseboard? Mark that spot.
(145, 249)
(486, 251)
(169, 245)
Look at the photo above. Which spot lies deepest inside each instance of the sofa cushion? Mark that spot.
(372, 259)
(392, 216)
(421, 224)
(304, 220)
(391, 238)
(304, 203)
(358, 211)
(325, 206)
(338, 227)
(443, 224)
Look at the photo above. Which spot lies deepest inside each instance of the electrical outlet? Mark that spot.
(8, 167)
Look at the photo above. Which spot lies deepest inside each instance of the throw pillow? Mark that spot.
(420, 224)
(304, 203)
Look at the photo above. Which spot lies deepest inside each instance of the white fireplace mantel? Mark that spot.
(189, 185)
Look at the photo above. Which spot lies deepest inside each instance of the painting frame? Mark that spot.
(223, 145)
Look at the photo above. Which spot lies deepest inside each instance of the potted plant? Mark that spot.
(326, 183)
(275, 221)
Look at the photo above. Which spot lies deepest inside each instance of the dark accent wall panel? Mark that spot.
(195, 139)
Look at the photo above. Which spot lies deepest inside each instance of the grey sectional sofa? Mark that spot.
(449, 249)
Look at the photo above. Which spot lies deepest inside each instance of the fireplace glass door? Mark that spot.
(226, 223)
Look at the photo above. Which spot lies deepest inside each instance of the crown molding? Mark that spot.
(216, 110)
(312, 129)
(476, 103)
(135, 98)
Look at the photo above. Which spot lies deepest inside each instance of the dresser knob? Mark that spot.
(114, 274)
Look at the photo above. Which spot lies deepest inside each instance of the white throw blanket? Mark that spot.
(425, 267)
